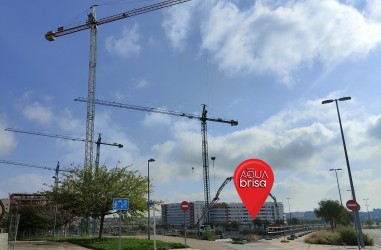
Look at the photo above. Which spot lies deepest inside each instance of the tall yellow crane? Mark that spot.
(92, 24)
(203, 118)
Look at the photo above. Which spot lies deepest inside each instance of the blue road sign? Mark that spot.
(120, 204)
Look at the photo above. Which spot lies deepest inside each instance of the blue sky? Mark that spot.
(267, 64)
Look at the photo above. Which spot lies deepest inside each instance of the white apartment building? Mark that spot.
(220, 213)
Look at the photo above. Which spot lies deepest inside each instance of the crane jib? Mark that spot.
(61, 31)
(157, 110)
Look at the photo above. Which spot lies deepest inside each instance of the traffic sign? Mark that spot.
(184, 206)
(120, 204)
(353, 205)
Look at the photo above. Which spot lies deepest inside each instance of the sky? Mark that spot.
(267, 64)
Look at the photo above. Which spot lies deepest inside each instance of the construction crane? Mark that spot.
(98, 142)
(92, 24)
(214, 201)
(203, 118)
(276, 207)
(57, 169)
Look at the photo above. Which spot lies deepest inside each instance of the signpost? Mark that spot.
(185, 207)
(353, 205)
(120, 204)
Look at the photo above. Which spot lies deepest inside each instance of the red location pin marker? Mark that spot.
(253, 180)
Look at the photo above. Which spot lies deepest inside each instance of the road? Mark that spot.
(375, 234)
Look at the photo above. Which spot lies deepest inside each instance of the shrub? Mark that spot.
(345, 236)
(324, 237)
(209, 235)
(348, 237)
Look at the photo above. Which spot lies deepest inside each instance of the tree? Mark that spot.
(333, 212)
(85, 193)
(257, 222)
(293, 221)
(34, 219)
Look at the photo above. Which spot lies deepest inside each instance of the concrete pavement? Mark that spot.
(44, 245)
(275, 244)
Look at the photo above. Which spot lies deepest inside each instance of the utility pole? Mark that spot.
(356, 213)
(55, 189)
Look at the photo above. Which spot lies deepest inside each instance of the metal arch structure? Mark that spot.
(203, 118)
(92, 24)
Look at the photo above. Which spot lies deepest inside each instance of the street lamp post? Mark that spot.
(337, 179)
(149, 203)
(289, 208)
(350, 192)
(357, 217)
(214, 173)
(367, 207)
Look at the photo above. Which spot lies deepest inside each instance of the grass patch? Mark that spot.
(344, 236)
(112, 243)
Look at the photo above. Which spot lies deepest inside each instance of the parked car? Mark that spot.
(292, 237)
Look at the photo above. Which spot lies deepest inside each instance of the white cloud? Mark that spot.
(128, 43)
(142, 83)
(24, 183)
(282, 39)
(372, 10)
(8, 141)
(177, 25)
(38, 113)
(35, 111)
(155, 119)
(66, 121)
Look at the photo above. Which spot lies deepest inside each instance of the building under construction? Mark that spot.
(18, 200)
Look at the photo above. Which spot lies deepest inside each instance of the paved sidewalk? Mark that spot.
(44, 245)
(298, 244)
(275, 244)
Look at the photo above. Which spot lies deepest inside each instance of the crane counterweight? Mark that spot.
(50, 36)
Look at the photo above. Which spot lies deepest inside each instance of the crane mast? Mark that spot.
(205, 161)
(92, 24)
(90, 115)
(203, 118)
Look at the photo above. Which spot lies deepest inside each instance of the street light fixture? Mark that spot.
(149, 203)
(289, 208)
(357, 217)
(337, 179)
